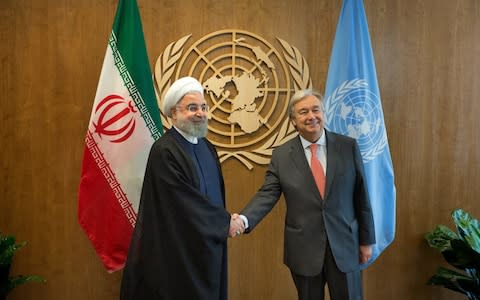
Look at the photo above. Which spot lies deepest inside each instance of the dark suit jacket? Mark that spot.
(179, 245)
(344, 216)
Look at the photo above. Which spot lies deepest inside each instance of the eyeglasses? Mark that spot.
(195, 107)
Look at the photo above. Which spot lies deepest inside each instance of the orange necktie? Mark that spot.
(317, 170)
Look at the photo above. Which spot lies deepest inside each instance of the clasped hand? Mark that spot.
(237, 226)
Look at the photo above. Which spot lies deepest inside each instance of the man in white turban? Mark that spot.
(179, 246)
(195, 124)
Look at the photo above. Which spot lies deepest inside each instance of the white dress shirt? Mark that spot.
(321, 150)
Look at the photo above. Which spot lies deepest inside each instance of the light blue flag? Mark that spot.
(353, 108)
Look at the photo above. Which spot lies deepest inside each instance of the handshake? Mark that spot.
(237, 226)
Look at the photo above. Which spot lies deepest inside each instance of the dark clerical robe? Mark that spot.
(178, 249)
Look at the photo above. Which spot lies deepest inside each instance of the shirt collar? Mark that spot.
(322, 141)
(191, 139)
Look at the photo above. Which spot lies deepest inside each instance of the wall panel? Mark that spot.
(428, 61)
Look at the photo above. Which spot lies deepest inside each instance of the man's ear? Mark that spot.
(173, 111)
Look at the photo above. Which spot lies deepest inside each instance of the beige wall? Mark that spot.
(428, 63)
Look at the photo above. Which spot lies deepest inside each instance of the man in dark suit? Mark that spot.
(179, 245)
(329, 223)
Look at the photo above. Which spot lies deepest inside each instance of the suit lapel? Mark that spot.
(332, 161)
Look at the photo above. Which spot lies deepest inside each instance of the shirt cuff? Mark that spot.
(245, 220)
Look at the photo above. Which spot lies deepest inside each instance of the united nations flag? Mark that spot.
(353, 108)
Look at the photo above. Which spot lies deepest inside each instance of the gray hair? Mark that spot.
(300, 95)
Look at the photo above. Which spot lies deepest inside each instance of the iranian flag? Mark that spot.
(124, 123)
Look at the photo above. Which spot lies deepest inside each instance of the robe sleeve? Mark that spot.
(173, 180)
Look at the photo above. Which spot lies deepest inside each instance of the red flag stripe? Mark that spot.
(104, 212)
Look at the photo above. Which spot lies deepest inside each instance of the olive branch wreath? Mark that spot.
(164, 68)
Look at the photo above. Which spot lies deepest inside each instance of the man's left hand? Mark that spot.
(365, 253)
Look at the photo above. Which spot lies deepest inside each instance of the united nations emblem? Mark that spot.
(247, 83)
(353, 109)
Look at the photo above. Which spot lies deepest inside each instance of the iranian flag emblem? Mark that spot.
(124, 123)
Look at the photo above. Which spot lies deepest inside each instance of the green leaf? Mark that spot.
(460, 250)
(21, 279)
(462, 256)
(440, 238)
(448, 278)
(454, 281)
(8, 247)
(468, 228)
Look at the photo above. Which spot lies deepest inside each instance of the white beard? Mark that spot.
(196, 130)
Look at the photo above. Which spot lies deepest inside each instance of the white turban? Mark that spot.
(177, 90)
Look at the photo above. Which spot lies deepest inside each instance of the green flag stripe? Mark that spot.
(128, 45)
(155, 130)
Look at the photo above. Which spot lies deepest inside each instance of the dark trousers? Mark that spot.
(342, 286)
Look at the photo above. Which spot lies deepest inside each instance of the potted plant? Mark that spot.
(461, 250)
(8, 247)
